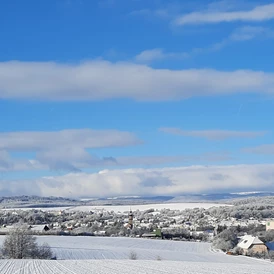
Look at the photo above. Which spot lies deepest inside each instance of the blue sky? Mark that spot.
(115, 97)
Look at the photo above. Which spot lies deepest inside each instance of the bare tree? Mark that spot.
(20, 244)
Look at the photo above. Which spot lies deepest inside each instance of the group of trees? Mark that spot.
(226, 240)
(19, 244)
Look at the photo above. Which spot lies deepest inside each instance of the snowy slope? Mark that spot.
(127, 266)
(111, 255)
(85, 248)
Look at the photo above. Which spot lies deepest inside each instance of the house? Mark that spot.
(209, 233)
(149, 235)
(157, 233)
(269, 225)
(100, 233)
(249, 243)
(39, 228)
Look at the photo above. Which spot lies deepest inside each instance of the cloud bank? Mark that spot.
(68, 150)
(99, 80)
(65, 149)
(161, 181)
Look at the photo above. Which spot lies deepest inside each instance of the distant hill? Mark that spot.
(36, 201)
(219, 197)
(44, 202)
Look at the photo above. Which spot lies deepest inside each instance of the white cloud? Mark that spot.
(213, 134)
(65, 149)
(245, 33)
(240, 34)
(250, 32)
(98, 80)
(148, 56)
(161, 181)
(85, 138)
(156, 160)
(262, 149)
(257, 14)
(76, 159)
(5, 161)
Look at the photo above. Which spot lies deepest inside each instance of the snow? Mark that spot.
(127, 266)
(102, 255)
(123, 208)
(46, 209)
(249, 240)
(85, 248)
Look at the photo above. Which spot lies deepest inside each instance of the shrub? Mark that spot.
(133, 255)
(238, 251)
(271, 255)
(20, 244)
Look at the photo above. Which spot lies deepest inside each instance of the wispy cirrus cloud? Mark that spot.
(240, 34)
(156, 54)
(153, 181)
(101, 80)
(257, 14)
(246, 33)
(261, 149)
(213, 134)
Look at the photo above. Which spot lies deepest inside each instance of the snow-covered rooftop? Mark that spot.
(248, 241)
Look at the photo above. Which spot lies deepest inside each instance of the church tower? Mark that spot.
(130, 219)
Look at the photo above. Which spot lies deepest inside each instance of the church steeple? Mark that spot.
(130, 219)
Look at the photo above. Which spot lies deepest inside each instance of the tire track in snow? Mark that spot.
(22, 267)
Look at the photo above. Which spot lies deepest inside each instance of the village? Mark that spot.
(254, 236)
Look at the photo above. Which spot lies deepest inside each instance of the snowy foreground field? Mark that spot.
(83, 255)
(125, 267)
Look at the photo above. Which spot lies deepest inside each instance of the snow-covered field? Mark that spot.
(123, 208)
(99, 255)
(126, 266)
(48, 209)
(85, 248)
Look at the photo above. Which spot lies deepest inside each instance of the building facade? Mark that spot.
(269, 225)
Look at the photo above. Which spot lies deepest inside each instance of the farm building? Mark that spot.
(269, 225)
(249, 243)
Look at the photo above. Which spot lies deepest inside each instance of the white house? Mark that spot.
(251, 243)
